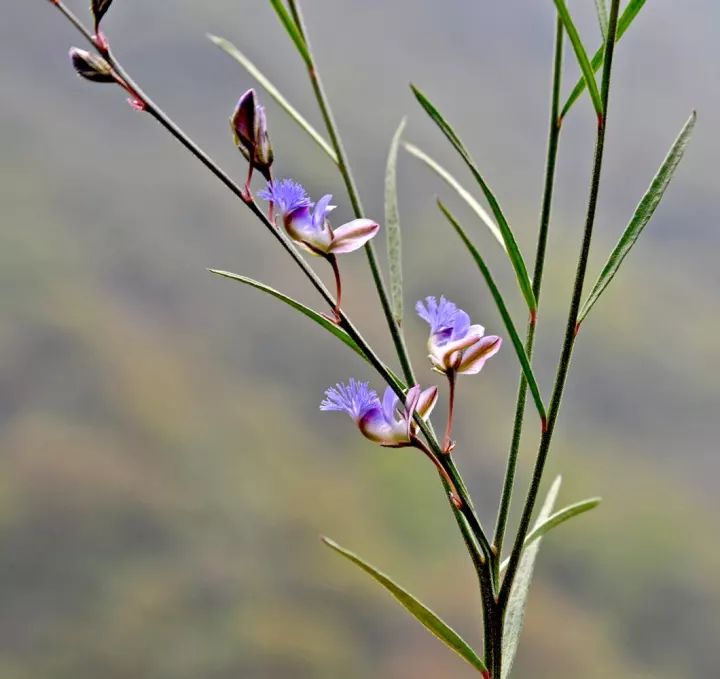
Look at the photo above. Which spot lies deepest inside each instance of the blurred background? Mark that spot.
(164, 470)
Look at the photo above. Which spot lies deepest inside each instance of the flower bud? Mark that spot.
(249, 127)
(91, 66)
(98, 8)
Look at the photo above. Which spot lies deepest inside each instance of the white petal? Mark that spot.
(353, 235)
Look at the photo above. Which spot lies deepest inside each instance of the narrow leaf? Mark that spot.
(299, 306)
(502, 308)
(643, 213)
(392, 227)
(273, 91)
(517, 601)
(602, 15)
(478, 209)
(421, 612)
(581, 54)
(98, 9)
(554, 520)
(293, 31)
(513, 251)
(626, 18)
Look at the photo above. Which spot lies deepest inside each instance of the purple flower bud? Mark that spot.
(387, 422)
(309, 226)
(249, 127)
(98, 9)
(91, 66)
(455, 344)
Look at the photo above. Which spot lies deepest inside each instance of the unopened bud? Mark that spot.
(91, 66)
(249, 128)
(98, 8)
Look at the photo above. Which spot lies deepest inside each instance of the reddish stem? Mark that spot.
(452, 489)
(338, 286)
(447, 445)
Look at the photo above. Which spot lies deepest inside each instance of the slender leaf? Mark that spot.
(502, 308)
(517, 601)
(273, 91)
(392, 227)
(554, 520)
(513, 251)
(293, 31)
(478, 209)
(421, 612)
(643, 213)
(581, 54)
(626, 18)
(310, 313)
(602, 15)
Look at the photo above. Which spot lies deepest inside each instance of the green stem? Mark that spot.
(571, 327)
(552, 150)
(349, 180)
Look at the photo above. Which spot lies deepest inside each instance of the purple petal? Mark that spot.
(373, 426)
(461, 324)
(389, 405)
(322, 209)
(286, 194)
(356, 399)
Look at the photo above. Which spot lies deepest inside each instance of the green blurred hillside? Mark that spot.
(164, 470)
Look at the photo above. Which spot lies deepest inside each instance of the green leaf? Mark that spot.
(626, 18)
(502, 308)
(513, 251)
(293, 31)
(392, 227)
(273, 91)
(310, 313)
(602, 15)
(643, 213)
(478, 209)
(581, 54)
(421, 612)
(554, 520)
(517, 601)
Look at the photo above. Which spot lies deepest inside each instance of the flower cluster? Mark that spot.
(455, 346)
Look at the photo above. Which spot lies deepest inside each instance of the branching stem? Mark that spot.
(571, 325)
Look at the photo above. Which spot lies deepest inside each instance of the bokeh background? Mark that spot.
(164, 470)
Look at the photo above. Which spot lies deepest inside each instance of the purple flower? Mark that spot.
(454, 343)
(309, 226)
(249, 127)
(387, 422)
